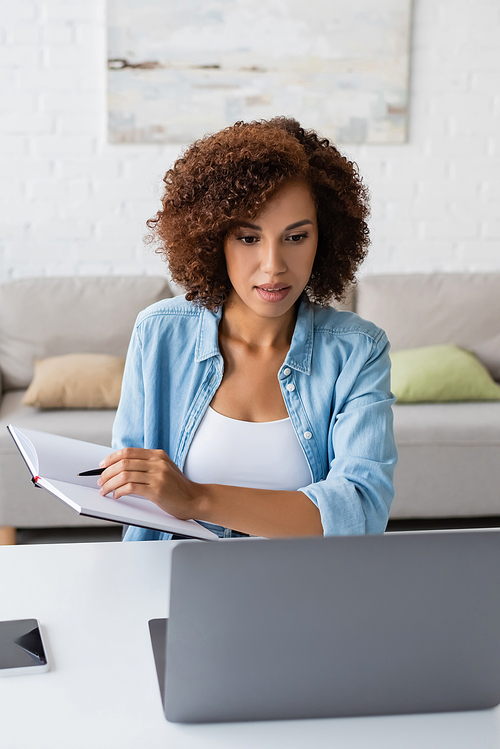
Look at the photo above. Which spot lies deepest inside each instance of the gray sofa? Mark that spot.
(449, 453)
(44, 317)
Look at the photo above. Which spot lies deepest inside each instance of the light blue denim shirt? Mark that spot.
(335, 382)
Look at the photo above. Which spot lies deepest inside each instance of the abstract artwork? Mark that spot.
(180, 69)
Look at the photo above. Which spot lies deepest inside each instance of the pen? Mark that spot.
(94, 472)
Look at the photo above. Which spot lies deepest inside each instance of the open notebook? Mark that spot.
(54, 463)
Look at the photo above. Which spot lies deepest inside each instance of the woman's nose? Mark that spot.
(272, 259)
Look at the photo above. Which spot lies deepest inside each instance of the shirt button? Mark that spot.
(190, 424)
(287, 371)
(290, 387)
(307, 435)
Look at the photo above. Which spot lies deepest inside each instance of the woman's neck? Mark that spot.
(239, 323)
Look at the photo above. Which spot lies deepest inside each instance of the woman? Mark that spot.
(249, 404)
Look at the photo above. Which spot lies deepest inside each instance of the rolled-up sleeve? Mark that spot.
(356, 495)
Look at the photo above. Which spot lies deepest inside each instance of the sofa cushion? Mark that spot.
(422, 310)
(440, 373)
(85, 424)
(76, 381)
(441, 423)
(42, 317)
(448, 460)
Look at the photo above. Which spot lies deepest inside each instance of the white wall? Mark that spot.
(71, 203)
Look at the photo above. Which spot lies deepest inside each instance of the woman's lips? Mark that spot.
(268, 294)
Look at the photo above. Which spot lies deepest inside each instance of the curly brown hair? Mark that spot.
(226, 178)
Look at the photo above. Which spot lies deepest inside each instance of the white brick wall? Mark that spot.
(71, 203)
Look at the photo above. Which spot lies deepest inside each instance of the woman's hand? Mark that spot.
(151, 474)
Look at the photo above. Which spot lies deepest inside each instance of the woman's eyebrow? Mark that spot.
(298, 223)
(247, 225)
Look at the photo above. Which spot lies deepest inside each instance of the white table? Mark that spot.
(94, 602)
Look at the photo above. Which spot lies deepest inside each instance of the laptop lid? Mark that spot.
(339, 626)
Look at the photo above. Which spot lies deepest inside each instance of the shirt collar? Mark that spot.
(207, 343)
(299, 355)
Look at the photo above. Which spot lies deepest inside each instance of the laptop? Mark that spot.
(325, 627)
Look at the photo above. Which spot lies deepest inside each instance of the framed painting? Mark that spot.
(179, 70)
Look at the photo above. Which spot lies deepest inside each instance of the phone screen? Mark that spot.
(21, 647)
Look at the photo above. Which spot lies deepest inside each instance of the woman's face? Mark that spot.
(270, 257)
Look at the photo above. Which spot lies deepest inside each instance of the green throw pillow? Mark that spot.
(440, 373)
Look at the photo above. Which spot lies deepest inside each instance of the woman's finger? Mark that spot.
(139, 478)
(130, 453)
(127, 464)
(143, 490)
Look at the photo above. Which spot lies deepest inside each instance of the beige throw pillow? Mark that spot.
(76, 381)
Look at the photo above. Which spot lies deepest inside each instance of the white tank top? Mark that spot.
(261, 455)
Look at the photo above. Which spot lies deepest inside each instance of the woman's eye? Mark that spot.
(296, 237)
(248, 240)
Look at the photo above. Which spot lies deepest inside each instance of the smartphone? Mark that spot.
(21, 648)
